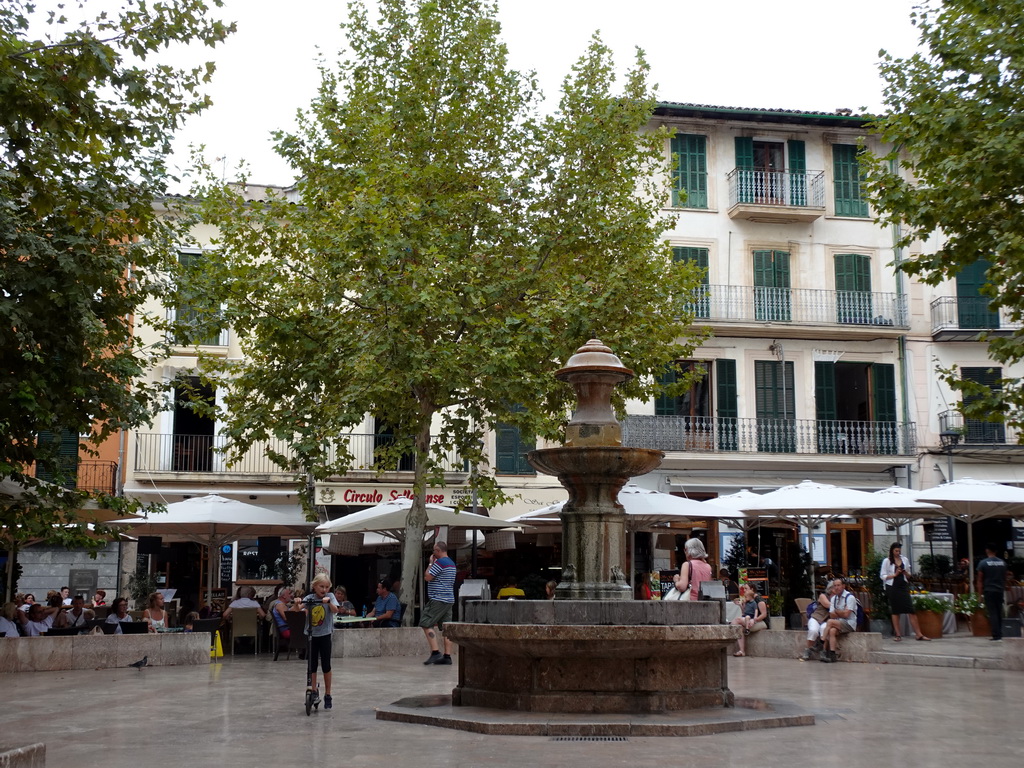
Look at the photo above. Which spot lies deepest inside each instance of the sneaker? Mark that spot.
(328, 701)
(446, 659)
(316, 696)
(806, 654)
(435, 657)
(828, 657)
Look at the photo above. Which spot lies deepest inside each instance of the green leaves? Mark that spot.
(86, 118)
(956, 163)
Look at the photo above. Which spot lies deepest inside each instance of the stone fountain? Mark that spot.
(592, 650)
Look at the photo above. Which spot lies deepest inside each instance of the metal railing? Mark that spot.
(799, 189)
(768, 435)
(155, 452)
(97, 476)
(751, 303)
(968, 313)
(976, 432)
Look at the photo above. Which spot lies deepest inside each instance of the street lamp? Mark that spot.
(950, 439)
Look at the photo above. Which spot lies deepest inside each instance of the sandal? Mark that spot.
(922, 637)
(739, 653)
(897, 638)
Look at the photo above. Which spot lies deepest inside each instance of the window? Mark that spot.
(705, 414)
(853, 288)
(62, 467)
(511, 449)
(978, 431)
(772, 300)
(972, 307)
(198, 322)
(855, 408)
(848, 181)
(776, 406)
(690, 171)
(701, 305)
(764, 177)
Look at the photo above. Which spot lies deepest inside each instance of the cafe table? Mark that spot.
(344, 621)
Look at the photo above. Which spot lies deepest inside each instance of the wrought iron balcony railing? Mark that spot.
(749, 303)
(976, 432)
(205, 453)
(768, 435)
(798, 189)
(968, 313)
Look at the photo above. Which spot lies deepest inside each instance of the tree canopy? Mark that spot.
(452, 247)
(87, 113)
(955, 171)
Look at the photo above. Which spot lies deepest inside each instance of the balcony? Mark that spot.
(205, 454)
(862, 313)
(956, 318)
(711, 434)
(776, 197)
(97, 477)
(974, 432)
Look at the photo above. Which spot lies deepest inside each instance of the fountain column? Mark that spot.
(593, 466)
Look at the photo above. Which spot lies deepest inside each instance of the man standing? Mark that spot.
(440, 578)
(991, 583)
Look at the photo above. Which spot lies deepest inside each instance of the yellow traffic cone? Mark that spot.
(216, 650)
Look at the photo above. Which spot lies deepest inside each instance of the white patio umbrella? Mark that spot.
(809, 503)
(643, 507)
(972, 500)
(389, 518)
(898, 514)
(213, 520)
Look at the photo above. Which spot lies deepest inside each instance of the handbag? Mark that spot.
(675, 594)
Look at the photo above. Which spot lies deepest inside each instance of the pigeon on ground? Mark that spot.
(144, 661)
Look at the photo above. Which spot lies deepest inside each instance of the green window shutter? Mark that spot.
(727, 405)
(690, 175)
(853, 288)
(665, 404)
(63, 467)
(745, 153)
(883, 382)
(824, 391)
(701, 305)
(973, 307)
(775, 405)
(797, 172)
(511, 449)
(979, 431)
(771, 286)
(847, 181)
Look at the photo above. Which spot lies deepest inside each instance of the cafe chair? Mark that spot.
(801, 607)
(297, 627)
(245, 622)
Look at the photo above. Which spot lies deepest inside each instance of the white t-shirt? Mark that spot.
(36, 628)
(9, 628)
(244, 602)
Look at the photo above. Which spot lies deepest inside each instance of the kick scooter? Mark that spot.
(312, 700)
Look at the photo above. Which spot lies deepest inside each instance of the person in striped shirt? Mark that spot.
(440, 578)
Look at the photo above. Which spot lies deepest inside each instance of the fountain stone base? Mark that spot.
(593, 656)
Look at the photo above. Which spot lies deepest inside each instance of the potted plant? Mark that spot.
(776, 601)
(140, 586)
(879, 614)
(971, 605)
(929, 612)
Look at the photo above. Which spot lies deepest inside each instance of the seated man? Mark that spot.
(247, 600)
(842, 615)
(816, 622)
(511, 590)
(386, 609)
(77, 615)
(283, 603)
(38, 619)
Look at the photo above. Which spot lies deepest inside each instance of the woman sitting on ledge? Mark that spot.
(754, 614)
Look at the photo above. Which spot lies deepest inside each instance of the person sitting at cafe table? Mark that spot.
(99, 599)
(26, 602)
(511, 590)
(9, 620)
(386, 609)
(345, 607)
(39, 619)
(77, 615)
(155, 613)
(119, 614)
(245, 601)
(284, 602)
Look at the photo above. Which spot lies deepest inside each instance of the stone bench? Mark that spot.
(368, 642)
(790, 643)
(49, 654)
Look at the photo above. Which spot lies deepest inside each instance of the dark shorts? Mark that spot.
(435, 614)
(319, 650)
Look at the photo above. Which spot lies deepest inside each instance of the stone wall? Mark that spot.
(45, 568)
(359, 642)
(48, 654)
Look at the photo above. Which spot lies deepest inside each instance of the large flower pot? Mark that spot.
(980, 625)
(930, 623)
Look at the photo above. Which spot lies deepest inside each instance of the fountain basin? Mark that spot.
(593, 656)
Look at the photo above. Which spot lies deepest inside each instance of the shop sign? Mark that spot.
(368, 494)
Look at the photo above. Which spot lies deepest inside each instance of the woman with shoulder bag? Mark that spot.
(691, 573)
(897, 587)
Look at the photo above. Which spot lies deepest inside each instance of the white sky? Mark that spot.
(792, 54)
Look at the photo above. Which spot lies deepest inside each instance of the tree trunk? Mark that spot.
(415, 523)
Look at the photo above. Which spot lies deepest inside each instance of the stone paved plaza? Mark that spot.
(247, 711)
